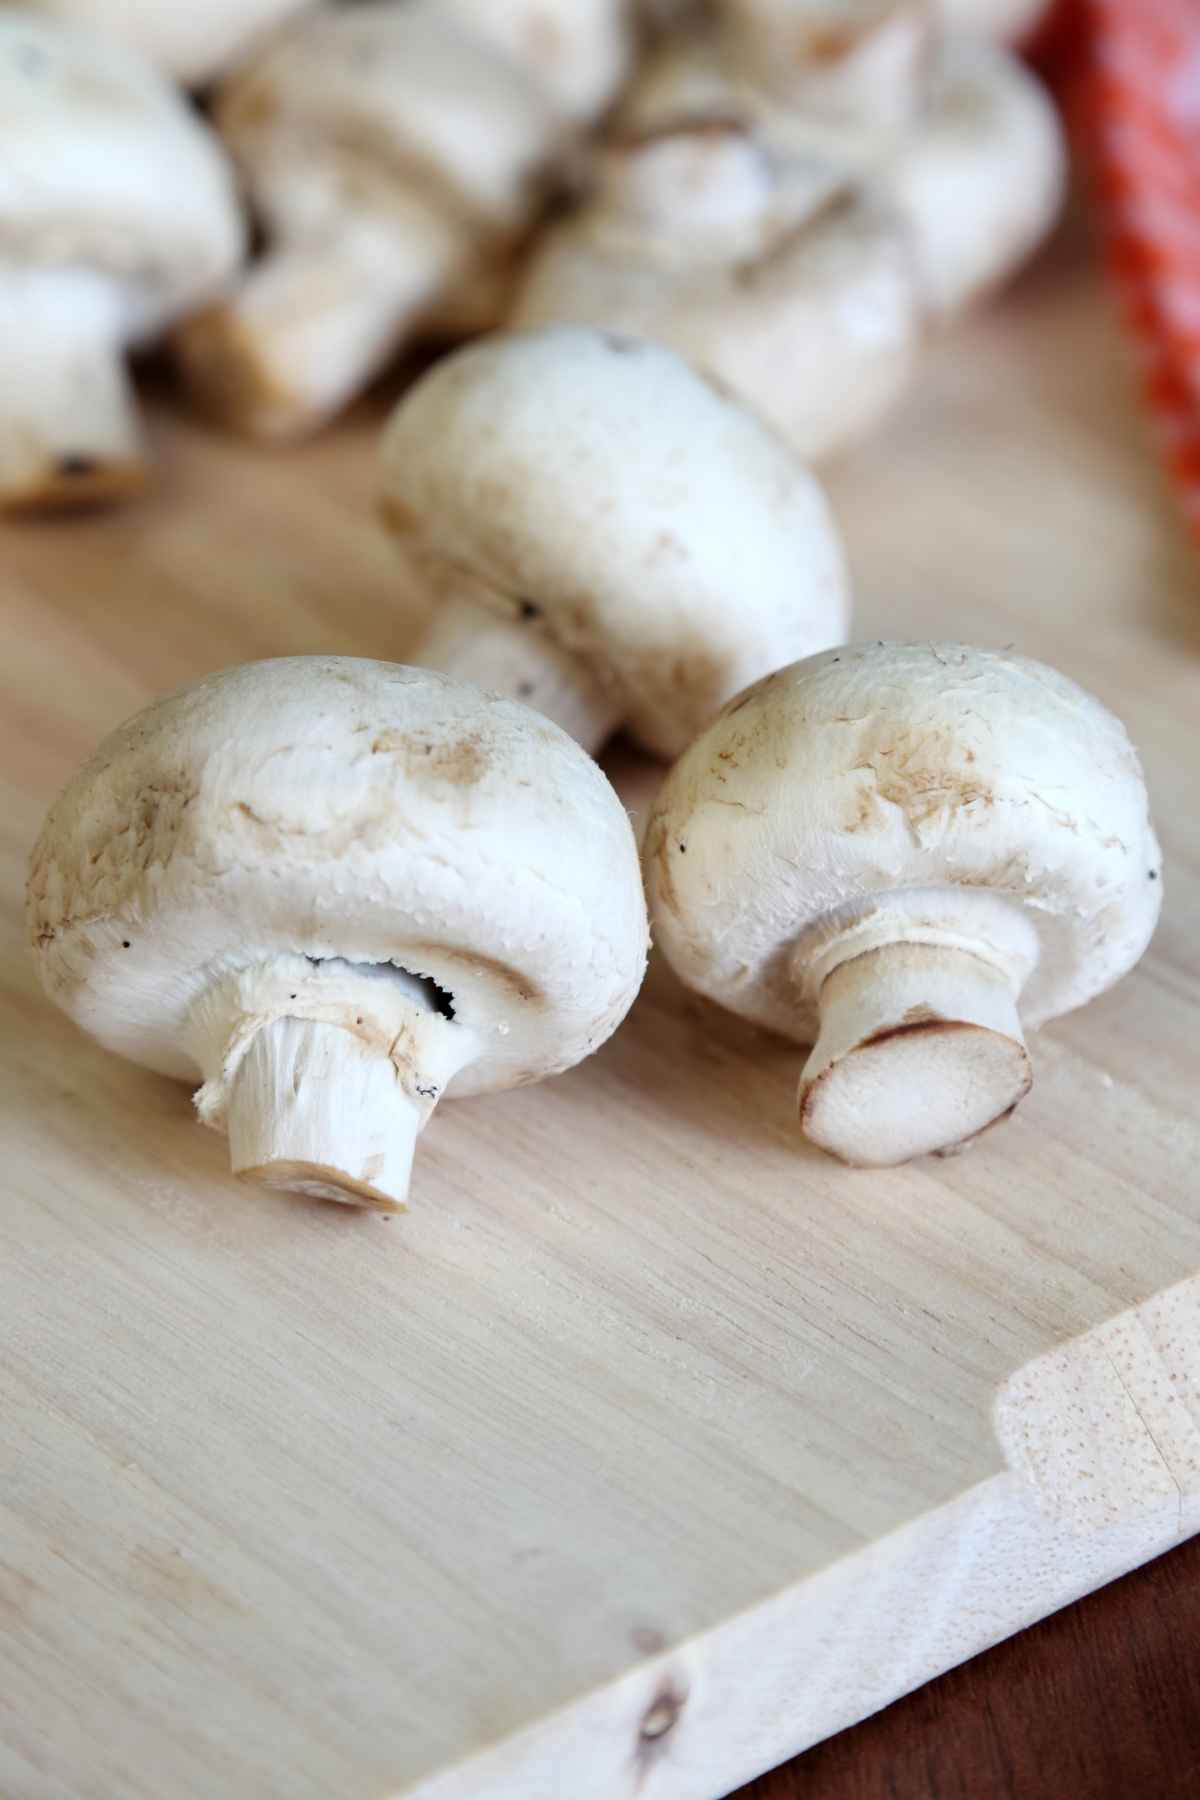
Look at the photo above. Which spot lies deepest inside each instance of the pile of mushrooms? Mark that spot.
(783, 191)
(331, 893)
(791, 190)
(398, 155)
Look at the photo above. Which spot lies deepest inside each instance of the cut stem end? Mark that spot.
(920, 1050)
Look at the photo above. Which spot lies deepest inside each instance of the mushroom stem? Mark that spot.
(314, 1110)
(69, 434)
(517, 658)
(920, 1049)
(315, 320)
(324, 1073)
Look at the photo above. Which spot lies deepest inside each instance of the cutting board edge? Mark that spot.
(740, 1699)
(1103, 1474)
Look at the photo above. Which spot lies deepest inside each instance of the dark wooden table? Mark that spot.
(1099, 1702)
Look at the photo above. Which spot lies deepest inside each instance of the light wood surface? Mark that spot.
(650, 1446)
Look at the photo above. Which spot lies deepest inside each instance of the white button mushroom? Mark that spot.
(604, 535)
(117, 213)
(395, 162)
(335, 891)
(903, 851)
(764, 270)
(191, 40)
(980, 183)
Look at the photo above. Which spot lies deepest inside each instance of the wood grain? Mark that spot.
(1095, 1703)
(646, 1412)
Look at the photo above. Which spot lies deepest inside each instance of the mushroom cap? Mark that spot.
(895, 769)
(596, 487)
(331, 807)
(814, 326)
(103, 164)
(578, 51)
(190, 40)
(981, 179)
(387, 96)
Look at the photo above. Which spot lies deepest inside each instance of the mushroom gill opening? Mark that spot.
(440, 999)
(430, 994)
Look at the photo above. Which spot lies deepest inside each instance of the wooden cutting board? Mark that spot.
(650, 1446)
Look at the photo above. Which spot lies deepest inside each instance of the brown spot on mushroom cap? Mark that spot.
(460, 763)
(919, 788)
(920, 792)
(863, 809)
(144, 833)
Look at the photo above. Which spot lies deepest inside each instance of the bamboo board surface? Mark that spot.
(651, 1446)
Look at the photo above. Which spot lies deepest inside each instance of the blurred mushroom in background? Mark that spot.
(118, 213)
(981, 180)
(955, 130)
(193, 41)
(397, 160)
(788, 188)
(709, 241)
